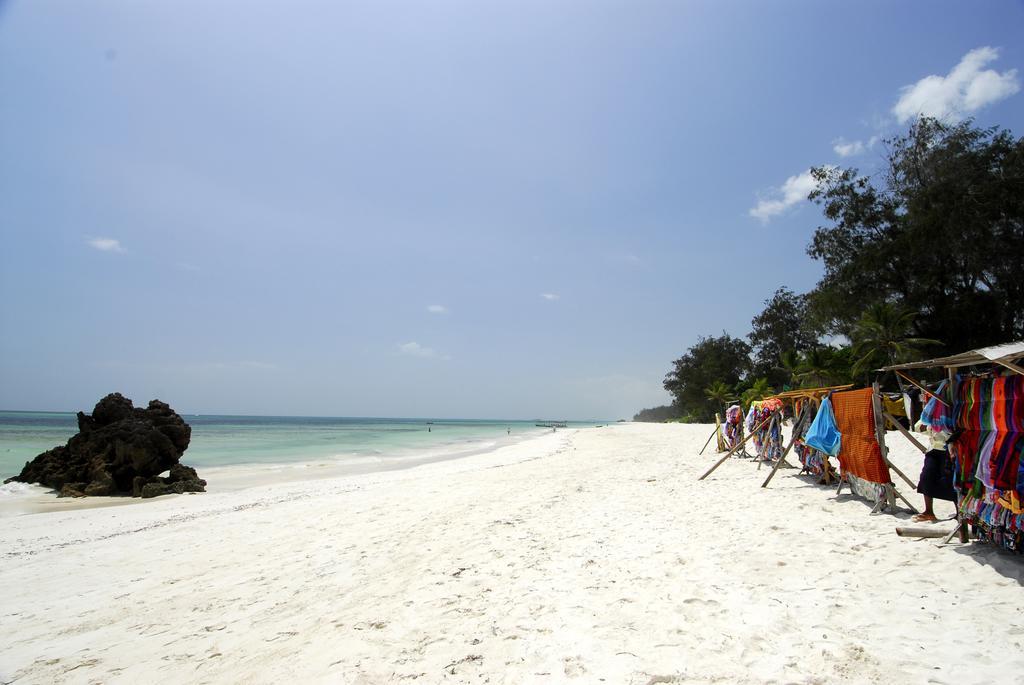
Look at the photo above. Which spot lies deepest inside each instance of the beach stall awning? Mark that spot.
(1004, 355)
(810, 392)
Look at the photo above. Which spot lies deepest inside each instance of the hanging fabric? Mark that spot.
(823, 434)
(859, 454)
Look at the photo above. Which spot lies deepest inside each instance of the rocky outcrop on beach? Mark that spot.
(119, 450)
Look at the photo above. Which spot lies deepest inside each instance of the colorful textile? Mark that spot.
(733, 426)
(823, 435)
(986, 451)
(936, 414)
(894, 405)
(767, 438)
(993, 522)
(859, 452)
(989, 413)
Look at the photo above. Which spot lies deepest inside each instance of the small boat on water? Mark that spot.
(552, 424)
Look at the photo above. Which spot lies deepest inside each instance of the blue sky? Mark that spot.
(451, 209)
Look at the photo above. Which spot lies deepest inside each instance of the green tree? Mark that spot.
(940, 231)
(757, 391)
(720, 394)
(882, 336)
(789, 362)
(725, 359)
(818, 368)
(782, 326)
(656, 414)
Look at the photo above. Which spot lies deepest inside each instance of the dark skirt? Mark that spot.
(937, 476)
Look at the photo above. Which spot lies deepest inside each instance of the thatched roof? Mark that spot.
(1005, 355)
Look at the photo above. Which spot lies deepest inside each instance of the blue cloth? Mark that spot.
(936, 414)
(823, 435)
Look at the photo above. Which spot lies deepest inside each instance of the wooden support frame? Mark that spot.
(951, 388)
(708, 442)
(876, 405)
(920, 387)
(828, 474)
(760, 460)
(741, 444)
(905, 432)
(720, 444)
(1010, 365)
(792, 441)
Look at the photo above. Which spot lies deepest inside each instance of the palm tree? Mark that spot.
(789, 361)
(719, 393)
(882, 336)
(759, 390)
(816, 367)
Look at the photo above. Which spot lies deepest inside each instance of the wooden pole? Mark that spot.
(781, 459)
(951, 388)
(707, 443)
(730, 452)
(760, 460)
(905, 432)
(921, 387)
(876, 403)
(1011, 366)
(912, 532)
(905, 501)
(961, 528)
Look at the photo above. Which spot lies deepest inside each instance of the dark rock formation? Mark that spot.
(119, 450)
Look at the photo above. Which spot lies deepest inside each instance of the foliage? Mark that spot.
(940, 232)
(823, 366)
(657, 414)
(783, 326)
(719, 393)
(757, 391)
(881, 337)
(724, 359)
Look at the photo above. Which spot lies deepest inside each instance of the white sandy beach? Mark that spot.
(587, 556)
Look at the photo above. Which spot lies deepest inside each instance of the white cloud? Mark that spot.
(793, 191)
(549, 296)
(845, 148)
(107, 245)
(851, 148)
(965, 89)
(414, 349)
(437, 309)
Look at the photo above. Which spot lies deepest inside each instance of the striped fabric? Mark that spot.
(989, 412)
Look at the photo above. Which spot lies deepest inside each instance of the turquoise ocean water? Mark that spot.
(231, 440)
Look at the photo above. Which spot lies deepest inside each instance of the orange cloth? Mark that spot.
(859, 452)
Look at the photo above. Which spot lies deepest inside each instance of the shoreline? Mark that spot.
(580, 556)
(37, 499)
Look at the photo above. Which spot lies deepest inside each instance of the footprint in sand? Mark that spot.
(573, 666)
(703, 602)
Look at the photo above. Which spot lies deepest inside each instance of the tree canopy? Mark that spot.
(781, 327)
(926, 256)
(940, 232)
(725, 359)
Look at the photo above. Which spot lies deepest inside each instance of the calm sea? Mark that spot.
(230, 440)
